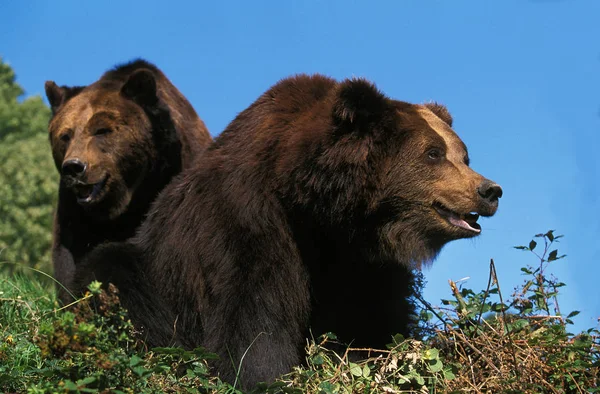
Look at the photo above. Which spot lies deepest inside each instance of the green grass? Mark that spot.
(24, 304)
(477, 342)
(93, 348)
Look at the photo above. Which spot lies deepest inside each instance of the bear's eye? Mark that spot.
(435, 154)
(65, 137)
(102, 131)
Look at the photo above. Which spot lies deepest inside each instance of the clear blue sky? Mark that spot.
(520, 78)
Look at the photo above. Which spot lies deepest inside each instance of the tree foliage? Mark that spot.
(28, 179)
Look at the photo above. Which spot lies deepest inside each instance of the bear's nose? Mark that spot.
(489, 191)
(74, 168)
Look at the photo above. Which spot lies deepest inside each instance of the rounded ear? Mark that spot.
(55, 95)
(59, 95)
(441, 112)
(358, 103)
(141, 87)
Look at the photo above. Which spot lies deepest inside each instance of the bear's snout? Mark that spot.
(489, 192)
(73, 168)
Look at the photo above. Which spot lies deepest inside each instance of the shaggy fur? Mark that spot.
(116, 144)
(306, 213)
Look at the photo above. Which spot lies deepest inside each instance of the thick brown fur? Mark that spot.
(307, 213)
(116, 144)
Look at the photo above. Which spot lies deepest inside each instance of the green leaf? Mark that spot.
(532, 244)
(520, 324)
(419, 379)
(398, 338)
(573, 314)
(140, 371)
(355, 369)
(435, 365)
(552, 255)
(521, 247)
(431, 354)
(550, 235)
(366, 371)
(449, 374)
(327, 388)
(318, 359)
(95, 287)
(330, 335)
(70, 385)
(135, 360)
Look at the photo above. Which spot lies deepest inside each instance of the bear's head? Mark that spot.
(107, 138)
(393, 175)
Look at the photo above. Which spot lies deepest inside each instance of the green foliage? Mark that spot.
(28, 178)
(91, 348)
(408, 366)
(521, 344)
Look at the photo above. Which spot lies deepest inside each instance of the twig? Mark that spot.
(466, 341)
(487, 292)
(430, 308)
(510, 341)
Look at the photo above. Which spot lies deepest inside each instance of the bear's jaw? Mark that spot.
(89, 193)
(466, 221)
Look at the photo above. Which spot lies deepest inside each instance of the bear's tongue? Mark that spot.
(468, 221)
(464, 223)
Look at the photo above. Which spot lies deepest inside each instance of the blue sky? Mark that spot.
(520, 78)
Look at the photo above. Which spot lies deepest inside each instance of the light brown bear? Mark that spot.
(116, 143)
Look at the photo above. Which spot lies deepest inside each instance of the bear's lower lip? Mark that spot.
(465, 221)
(87, 193)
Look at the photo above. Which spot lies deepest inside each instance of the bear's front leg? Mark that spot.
(121, 264)
(259, 327)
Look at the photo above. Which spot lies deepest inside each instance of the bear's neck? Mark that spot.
(346, 277)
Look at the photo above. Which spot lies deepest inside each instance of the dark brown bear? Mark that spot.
(116, 144)
(306, 213)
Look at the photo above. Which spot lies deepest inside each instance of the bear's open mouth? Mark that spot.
(466, 221)
(87, 193)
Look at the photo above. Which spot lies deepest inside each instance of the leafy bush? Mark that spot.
(477, 342)
(90, 348)
(521, 344)
(28, 179)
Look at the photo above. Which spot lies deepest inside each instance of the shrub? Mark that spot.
(477, 342)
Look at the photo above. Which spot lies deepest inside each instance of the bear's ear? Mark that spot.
(141, 87)
(358, 103)
(59, 95)
(441, 111)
